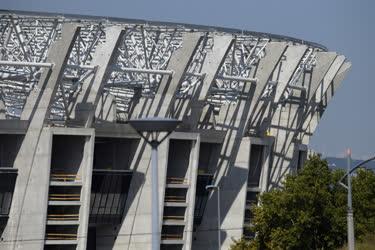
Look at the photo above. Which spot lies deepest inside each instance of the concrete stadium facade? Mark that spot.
(75, 175)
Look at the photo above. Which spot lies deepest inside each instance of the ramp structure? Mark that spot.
(75, 175)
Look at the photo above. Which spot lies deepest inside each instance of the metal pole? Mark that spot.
(218, 218)
(155, 197)
(350, 209)
(28, 64)
(148, 71)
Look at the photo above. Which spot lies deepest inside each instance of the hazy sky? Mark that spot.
(345, 26)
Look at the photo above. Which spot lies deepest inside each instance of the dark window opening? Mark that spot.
(178, 160)
(114, 153)
(201, 197)
(255, 166)
(67, 155)
(302, 155)
(109, 190)
(251, 201)
(9, 147)
(8, 178)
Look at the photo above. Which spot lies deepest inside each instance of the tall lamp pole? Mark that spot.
(154, 126)
(350, 219)
(213, 187)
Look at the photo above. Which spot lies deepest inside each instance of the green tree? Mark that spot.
(309, 212)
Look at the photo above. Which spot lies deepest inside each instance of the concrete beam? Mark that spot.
(328, 78)
(324, 61)
(58, 54)
(166, 92)
(336, 82)
(266, 67)
(335, 77)
(104, 56)
(293, 56)
(211, 66)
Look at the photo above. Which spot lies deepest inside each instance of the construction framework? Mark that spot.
(74, 174)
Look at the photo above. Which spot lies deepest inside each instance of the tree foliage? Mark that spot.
(309, 212)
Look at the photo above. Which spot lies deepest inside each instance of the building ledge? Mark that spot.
(61, 242)
(175, 204)
(172, 242)
(64, 203)
(62, 222)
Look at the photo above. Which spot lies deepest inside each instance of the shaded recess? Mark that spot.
(208, 155)
(111, 178)
(9, 147)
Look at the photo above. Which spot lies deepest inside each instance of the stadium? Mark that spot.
(76, 174)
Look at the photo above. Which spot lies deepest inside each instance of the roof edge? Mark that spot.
(187, 25)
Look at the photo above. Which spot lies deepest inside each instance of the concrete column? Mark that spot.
(86, 173)
(232, 182)
(34, 214)
(27, 160)
(135, 230)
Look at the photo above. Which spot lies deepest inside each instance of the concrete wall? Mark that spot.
(281, 124)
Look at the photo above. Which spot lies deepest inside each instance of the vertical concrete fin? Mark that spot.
(274, 51)
(311, 121)
(179, 63)
(58, 54)
(329, 77)
(293, 56)
(20, 225)
(104, 56)
(266, 67)
(336, 82)
(323, 86)
(324, 61)
(213, 61)
(211, 66)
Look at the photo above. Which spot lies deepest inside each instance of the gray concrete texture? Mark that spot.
(213, 140)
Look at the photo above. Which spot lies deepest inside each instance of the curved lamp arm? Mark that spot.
(355, 168)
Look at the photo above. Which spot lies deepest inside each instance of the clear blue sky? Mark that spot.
(345, 26)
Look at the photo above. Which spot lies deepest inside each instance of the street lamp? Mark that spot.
(350, 219)
(153, 126)
(213, 187)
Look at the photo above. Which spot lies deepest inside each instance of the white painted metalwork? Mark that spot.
(24, 42)
(237, 70)
(29, 64)
(141, 62)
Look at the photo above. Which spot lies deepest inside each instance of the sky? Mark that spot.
(344, 26)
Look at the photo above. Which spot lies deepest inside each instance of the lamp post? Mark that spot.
(350, 219)
(350, 207)
(154, 126)
(213, 187)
